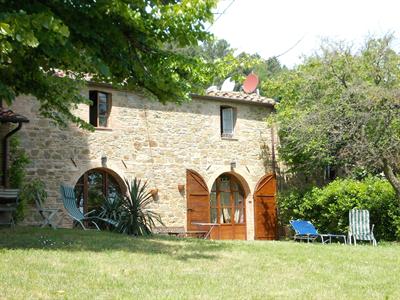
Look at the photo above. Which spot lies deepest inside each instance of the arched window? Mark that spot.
(227, 201)
(93, 186)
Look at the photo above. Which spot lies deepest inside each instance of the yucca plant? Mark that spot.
(111, 208)
(135, 217)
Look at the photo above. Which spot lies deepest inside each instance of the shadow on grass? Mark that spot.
(96, 241)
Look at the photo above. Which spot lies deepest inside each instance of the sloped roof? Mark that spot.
(8, 116)
(239, 97)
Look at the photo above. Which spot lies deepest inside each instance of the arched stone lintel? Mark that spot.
(239, 172)
(111, 168)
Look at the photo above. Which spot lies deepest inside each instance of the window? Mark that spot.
(228, 120)
(100, 110)
(227, 201)
(93, 186)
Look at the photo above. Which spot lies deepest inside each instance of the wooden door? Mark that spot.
(265, 221)
(198, 201)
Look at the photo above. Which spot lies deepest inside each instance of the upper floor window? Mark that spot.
(228, 121)
(100, 109)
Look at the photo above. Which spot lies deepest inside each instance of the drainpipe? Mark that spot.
(273, 151)
(5, 178)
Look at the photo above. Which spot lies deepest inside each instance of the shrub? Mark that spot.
(327, 208)
(136, 218)
(132, 212)
(17, 172)
(29, 191)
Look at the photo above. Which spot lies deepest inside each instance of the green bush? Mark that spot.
(327, 208)
(17, 172)
(132, 212)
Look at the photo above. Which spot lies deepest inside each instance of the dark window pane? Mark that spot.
(95, 178)
(213, 216)
(235, 186)
(225, 184)
(214, 187)
(79, 195)
(225, 198)
(103, 97)
(102, 108)
(213, 199)
(102, 121)
(238, 197)
(113, 188)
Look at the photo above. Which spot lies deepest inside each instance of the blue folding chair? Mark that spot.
(305, 230)
(69, 200)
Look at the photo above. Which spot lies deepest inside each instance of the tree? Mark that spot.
(115, 41)
(223, 63)
(342, 108)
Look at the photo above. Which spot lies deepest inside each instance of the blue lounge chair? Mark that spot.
(69, 200)
(305, 230)
(359, 226)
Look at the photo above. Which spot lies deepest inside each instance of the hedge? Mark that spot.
(327, 208)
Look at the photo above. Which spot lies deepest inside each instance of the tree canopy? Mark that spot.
(222, 62)
(115, 41)
(342, 108)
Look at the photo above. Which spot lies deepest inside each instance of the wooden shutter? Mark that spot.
(93, 108)
(265, 220)
(198, 201)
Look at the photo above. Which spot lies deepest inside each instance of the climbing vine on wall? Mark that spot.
(19, 160)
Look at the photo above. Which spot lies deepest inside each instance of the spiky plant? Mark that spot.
(111, 208)
(135, 216)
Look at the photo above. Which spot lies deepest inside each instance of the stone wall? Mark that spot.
(150, 141)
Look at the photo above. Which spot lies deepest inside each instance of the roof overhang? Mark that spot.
(235, 100)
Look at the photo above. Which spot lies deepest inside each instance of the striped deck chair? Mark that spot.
(69, 200)
(359, 228)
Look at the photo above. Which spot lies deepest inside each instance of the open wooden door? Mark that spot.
(265, 221)
(198, 201)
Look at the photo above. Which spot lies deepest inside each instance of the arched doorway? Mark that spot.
(96, 184)
(227, 208)
(224, 205)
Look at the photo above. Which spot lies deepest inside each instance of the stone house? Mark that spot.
(206, 161)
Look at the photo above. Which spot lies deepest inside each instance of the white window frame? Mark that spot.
(228, 120)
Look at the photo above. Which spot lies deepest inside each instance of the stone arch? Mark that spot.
(110, 168)
(237, 173)
(95, 184)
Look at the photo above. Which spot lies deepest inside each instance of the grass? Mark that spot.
(75, 264)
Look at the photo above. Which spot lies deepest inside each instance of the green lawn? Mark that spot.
(76, 264)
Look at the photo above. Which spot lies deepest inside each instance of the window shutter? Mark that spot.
(265, 216)
(93, 108)
(198, 201)
(227, 120)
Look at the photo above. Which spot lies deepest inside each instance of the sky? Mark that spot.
(297, 27)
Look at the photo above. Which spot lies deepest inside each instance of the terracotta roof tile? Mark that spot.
(242, 96)
(8, 116)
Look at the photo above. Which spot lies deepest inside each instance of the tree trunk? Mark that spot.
(391, 177)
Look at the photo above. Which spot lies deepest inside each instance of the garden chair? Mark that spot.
(47, 214)
(305, 230)
(69, 200)
(8, 205)
(359, 228)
